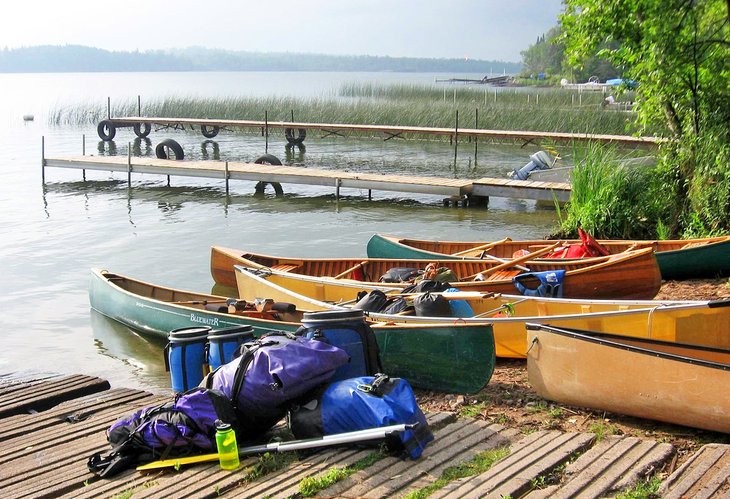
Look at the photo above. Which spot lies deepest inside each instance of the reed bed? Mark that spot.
(610, 198)
(366, 103)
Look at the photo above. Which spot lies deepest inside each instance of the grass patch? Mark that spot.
(481, 463)
(473, 410)
(647, 489)
(309, 486)
(602, 430)
(269, 462)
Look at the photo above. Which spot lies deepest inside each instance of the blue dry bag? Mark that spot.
(363, 403)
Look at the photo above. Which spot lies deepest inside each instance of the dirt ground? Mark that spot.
(509, 400)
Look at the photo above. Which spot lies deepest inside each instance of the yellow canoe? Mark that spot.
(664, 381)
(694, 322)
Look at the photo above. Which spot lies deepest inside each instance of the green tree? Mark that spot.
(679, 52)
(546, 55)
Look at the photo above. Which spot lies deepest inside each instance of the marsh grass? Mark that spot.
(609, 198)
(374, 104)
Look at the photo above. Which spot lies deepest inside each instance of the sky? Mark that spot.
(486, 29)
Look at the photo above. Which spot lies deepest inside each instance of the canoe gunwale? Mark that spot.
(613, 341)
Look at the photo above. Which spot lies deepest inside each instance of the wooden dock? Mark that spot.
(50, 426)
(212, 126)
(454, 190)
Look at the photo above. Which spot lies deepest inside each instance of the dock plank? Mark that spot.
(44, 394)
(706, 474)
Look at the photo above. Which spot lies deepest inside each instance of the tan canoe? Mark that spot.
(664, 381)
(697, 322)
(630, 275)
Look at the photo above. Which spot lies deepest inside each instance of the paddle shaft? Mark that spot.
(513, 263)
(307, 443)
(484, 247)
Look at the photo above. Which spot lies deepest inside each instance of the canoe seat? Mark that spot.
(285, 267)
(503, 274)
(694, 244)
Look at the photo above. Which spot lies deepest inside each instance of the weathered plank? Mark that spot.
(614, 464)
(43, 394)
(705, 474)
(535, 455)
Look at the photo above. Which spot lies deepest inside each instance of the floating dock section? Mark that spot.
(455, 191)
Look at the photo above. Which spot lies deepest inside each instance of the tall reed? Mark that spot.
(364, 103)
(610, 199)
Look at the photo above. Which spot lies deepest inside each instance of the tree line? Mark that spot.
(76, 58)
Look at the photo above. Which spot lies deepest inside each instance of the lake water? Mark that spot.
(53, 234)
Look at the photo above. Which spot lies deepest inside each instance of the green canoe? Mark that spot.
(456, 358)
(677, 258)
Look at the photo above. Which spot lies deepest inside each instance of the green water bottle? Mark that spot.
(225, 439)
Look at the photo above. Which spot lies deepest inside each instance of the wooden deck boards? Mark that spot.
(44, 454)
(484, 187)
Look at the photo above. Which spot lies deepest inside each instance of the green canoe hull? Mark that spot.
(712, 260)
(450, 358)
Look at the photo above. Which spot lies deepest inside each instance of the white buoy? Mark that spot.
(27, 117)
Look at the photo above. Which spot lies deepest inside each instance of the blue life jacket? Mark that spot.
(551, 283)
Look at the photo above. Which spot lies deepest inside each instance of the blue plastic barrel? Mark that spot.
(459, 308)
(222, 343)
(185, 357)
(345, 329)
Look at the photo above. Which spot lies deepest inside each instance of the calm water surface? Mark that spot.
(53, 234)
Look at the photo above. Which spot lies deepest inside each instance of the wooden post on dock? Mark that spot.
(129, 166)
(226, 178)
(108, 108)
(83, 153)
(476, 127)
(139, 105)
(456, 137)
(266, 131)
(337, 189)
(43, 159)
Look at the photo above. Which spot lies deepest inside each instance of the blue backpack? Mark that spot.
(363, 403)
(182, 427)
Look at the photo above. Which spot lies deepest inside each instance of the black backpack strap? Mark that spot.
(112, 464)
(247, 354)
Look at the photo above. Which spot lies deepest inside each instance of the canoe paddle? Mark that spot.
(308, 443)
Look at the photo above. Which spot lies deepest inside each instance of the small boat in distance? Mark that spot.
(457, 358)
(664, 381)
(631, 275)
(677, 258)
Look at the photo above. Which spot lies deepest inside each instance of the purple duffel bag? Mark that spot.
(271, 372)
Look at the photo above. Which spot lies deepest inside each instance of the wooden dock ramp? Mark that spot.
(44, 454)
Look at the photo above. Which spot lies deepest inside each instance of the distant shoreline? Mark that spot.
(81, 59)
